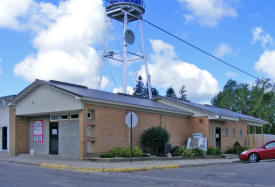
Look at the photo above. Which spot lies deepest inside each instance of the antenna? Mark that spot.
(126, 11)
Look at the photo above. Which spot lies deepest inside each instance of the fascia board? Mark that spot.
(108, 103)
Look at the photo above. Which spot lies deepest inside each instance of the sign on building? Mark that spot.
(37, 136)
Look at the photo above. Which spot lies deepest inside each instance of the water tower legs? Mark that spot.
(148, 77)
(124, 82)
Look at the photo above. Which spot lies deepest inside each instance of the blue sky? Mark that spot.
(63, 40)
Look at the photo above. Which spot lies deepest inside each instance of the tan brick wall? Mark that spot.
(110, 129)
(200, 125)
(227, 142)
(19, 133)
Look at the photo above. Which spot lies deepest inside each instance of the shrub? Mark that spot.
(187, 153)
(154, 139)
(213, 151)
(230, 151)
(190, 153)
(137, 152)
(237, 149)
(176, 151)
(197, 152)
(122, 152)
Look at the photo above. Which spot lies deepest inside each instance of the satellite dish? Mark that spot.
(130, 37)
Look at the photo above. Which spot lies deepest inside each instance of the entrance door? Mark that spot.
(4, 138)
(54, 138)
(218, 138)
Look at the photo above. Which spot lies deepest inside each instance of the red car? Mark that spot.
(267, 151)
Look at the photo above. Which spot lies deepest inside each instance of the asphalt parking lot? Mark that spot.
(235, 174)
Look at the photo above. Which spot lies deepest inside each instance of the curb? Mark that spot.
(66, 167)
(71, 168)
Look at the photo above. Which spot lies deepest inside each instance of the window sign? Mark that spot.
(37, 131)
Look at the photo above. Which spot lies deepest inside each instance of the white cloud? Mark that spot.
(130, 90)
(208, 12)
(167, 70)
(260, 36)
(266, 63)
(11, 10)
(223, 49)
(65, 43)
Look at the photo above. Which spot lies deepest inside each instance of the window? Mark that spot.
(270, 145)
(91, 115)
(64, 117)
(226, 132)
(90, 131)
(233, 132)
(241, 133)
(74, 116)
(54, 118)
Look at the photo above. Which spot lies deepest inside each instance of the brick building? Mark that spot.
(53, 117)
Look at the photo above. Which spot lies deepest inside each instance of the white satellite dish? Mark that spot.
(130, 37)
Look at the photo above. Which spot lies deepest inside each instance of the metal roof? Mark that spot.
(213, 109)
(6, 99)
(86, 93)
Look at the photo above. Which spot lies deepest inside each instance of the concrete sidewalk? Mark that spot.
(59, 162)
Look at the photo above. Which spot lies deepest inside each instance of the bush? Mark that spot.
(197, 152)
(122, 152)
(187, 153)
(213, 151)
(190, 153)
(176, 151)
(230, 151)
(237, 149)
(154, 139)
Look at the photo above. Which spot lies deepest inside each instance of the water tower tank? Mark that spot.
(115, 9)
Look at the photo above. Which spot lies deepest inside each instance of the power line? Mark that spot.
(193, 46)
(199, 49)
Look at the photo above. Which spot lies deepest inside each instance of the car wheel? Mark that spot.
(253, 157)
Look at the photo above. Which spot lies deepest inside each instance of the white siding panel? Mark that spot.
(45, 99)
(4, 122)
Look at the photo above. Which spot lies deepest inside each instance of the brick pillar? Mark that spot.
(19, 133)
(82, 135)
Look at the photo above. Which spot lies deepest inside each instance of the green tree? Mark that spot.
(257, 100)
(182, 93)
(139, 89)
(171, 93)
(154, 91)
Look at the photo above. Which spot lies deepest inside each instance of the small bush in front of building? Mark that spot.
(176, 151)
(230, 151)
(122, 152)
(154, 139)
(191, 153)
(213, 151)
(197, 152)
(237, 149)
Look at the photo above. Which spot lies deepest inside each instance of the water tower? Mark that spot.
(126, 11)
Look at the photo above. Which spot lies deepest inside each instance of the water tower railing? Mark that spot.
(138, 2)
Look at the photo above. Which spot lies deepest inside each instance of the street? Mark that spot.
(238, 174)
